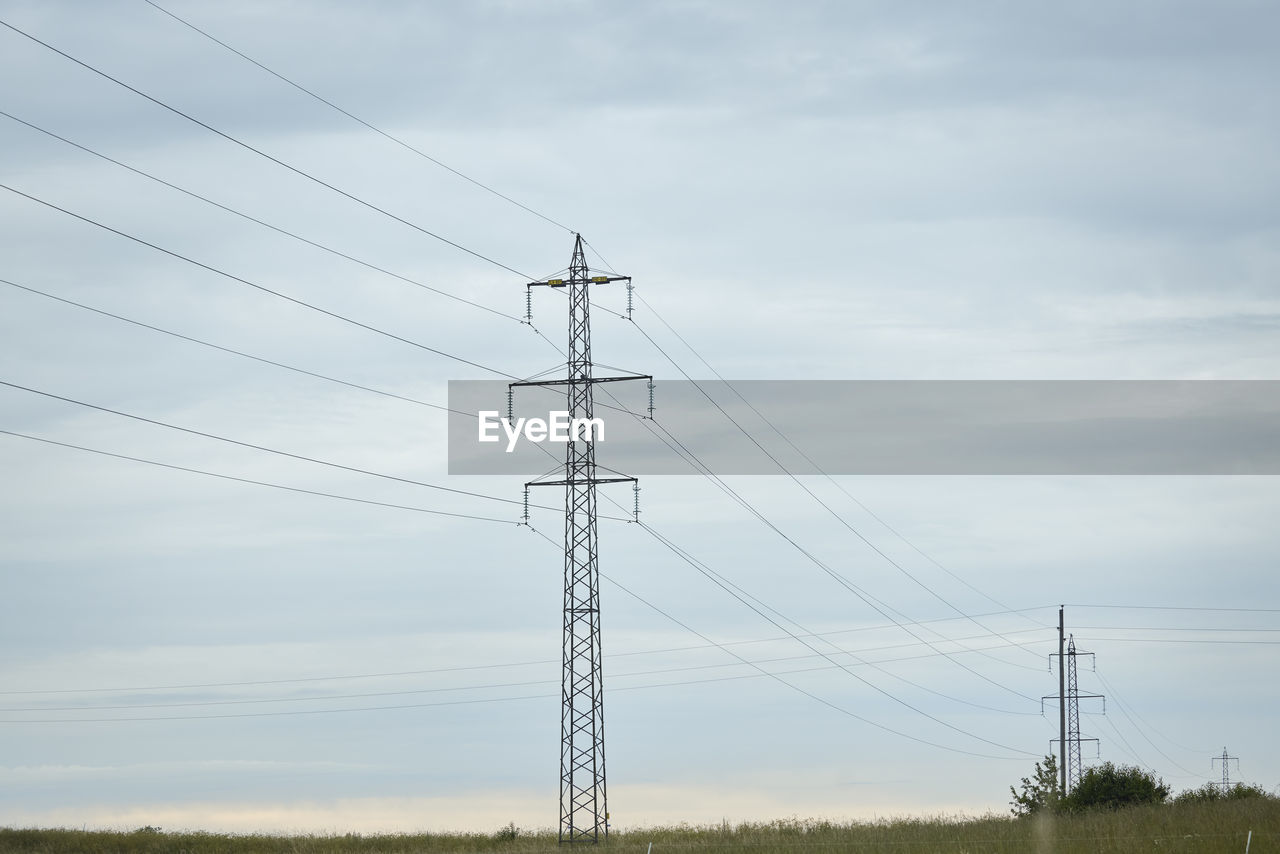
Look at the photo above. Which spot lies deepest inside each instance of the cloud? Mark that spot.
(634, 806)
(835, 190)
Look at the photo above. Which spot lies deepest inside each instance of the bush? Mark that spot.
(1109, 786)
(1042, 793)
(1212, 792)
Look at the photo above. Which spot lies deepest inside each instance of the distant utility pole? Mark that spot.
(1069, 698)
(1062, 706)
(1226, 764)
(584, 809)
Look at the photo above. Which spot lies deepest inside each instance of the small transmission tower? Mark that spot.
(1226, 765)
(584, 810)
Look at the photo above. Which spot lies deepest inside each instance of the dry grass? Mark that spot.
(1208, 828)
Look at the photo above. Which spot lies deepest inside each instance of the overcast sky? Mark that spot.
(811, 190)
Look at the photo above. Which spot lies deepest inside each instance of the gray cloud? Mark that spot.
(841, 191)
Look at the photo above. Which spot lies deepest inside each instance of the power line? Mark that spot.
(685, 453)
(258, 482)
(1181, 608)
(438, 670)
(736, 591)
(1141, 731)
(899, 567)
(680, 450)
(806, 457)
(261, 153)
(311, 492)
(1171, 629)
(234, 352)
(320, 711)
(270, 700)
(260, 222)
(254, 358)
(783, 468)
(252, 446)
(406, 692)
(721, 581)
(1184, 640)
(880, 607)
(1127, 746)
(133, 689)
(152, 719)
(707, 473)
(753, 408)
(255, 285)
(482, 700)
(258, 359)
(886, 626)
(397, 140)
(763, 672)
(242, 354)
(513, 664)
(829, 704)
(695, 564)
(701, 468)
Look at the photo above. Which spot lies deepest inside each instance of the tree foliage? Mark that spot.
(1212, 792)
(1109, 786)
(1039, 792)
(1105, 786)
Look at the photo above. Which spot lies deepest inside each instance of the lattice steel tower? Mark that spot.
(1073, 766)
(584, 810)
(1226, 772)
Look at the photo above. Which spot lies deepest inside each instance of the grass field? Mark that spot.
(1212, 827)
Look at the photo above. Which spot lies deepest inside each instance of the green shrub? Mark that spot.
(1212, 792)
(1109, 786)
(1039, 792)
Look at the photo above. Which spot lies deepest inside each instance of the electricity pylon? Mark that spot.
(1074, 766)
(584, 808)
(1226, 764)
(1069, 698)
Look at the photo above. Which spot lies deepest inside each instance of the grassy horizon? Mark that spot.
(1205, 828)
